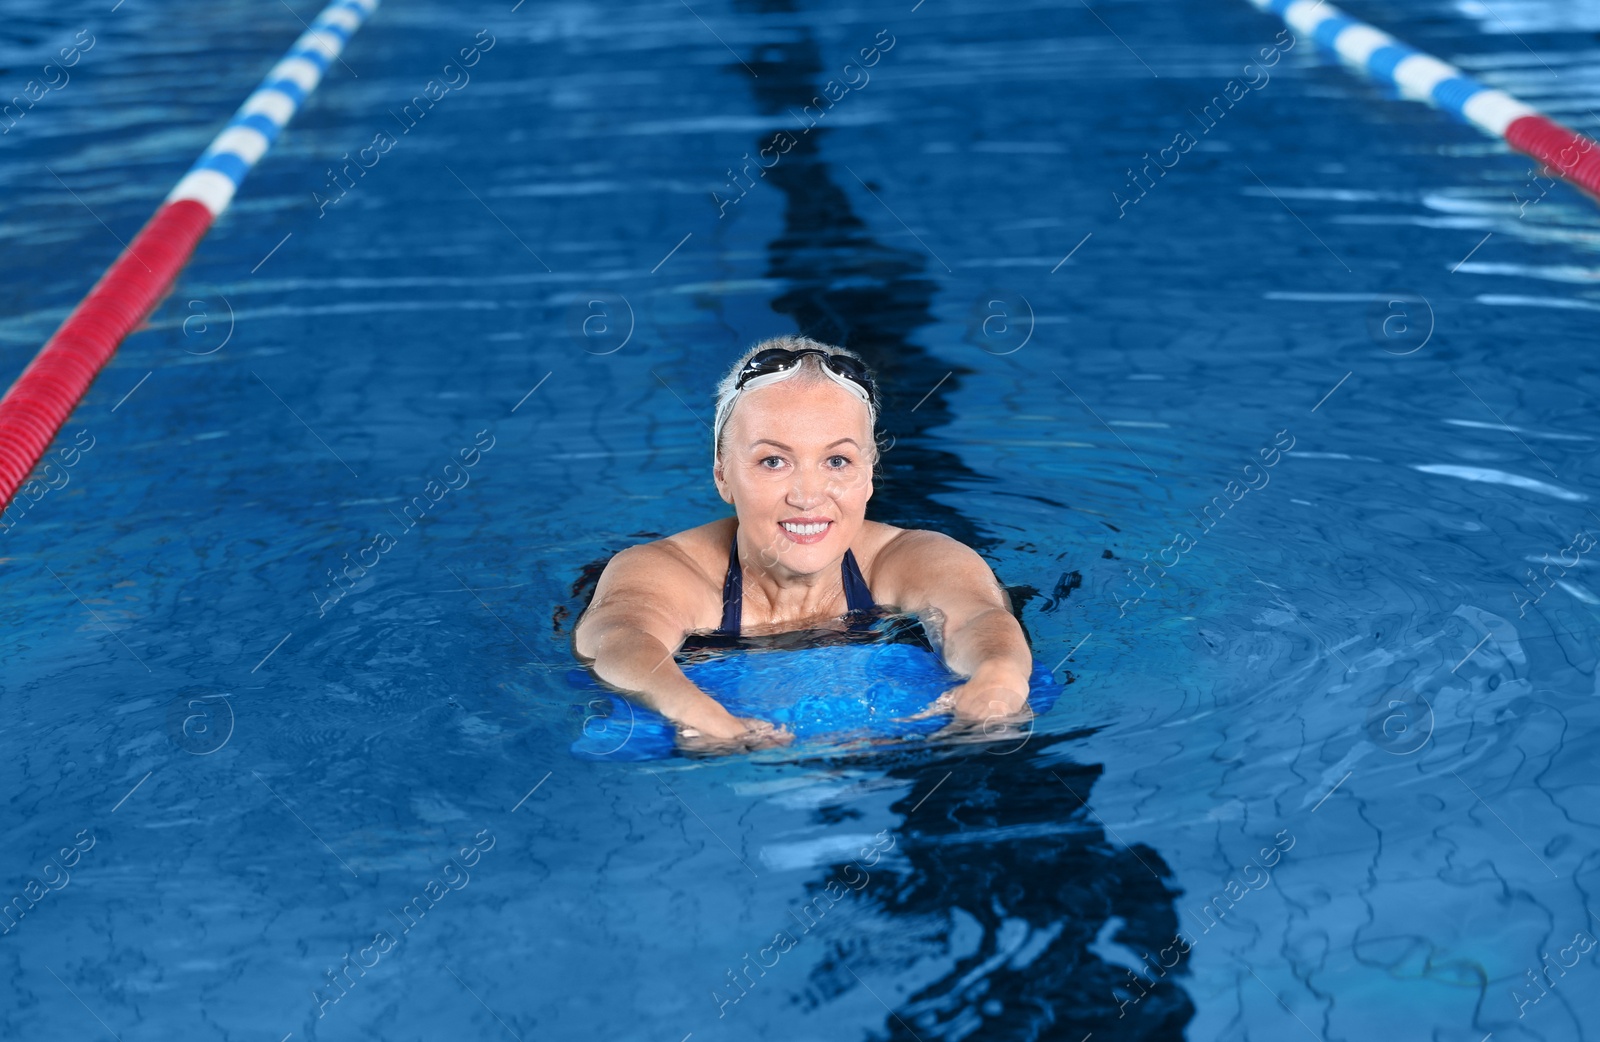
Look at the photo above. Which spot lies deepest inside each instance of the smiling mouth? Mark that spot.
(809, 528)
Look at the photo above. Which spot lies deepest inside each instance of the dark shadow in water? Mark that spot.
(1004, 874)
(849, 289)
(1000, 837)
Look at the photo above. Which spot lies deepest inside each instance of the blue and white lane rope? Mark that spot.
(216, 175)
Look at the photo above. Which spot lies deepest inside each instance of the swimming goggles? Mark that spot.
(777, 362)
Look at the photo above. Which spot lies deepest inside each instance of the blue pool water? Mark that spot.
(1324, 770)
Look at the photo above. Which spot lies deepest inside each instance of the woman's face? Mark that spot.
(796, 467)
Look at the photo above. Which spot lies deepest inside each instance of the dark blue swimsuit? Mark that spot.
(857, 596)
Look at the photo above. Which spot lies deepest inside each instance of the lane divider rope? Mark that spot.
(1422, 77)
(44, 395)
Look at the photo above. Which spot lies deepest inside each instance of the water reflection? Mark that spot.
(992, 839)
(1009, 883)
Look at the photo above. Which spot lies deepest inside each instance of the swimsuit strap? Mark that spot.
(856, 594)
(732, 591)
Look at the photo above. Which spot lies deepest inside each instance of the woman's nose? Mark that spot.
(810, 487)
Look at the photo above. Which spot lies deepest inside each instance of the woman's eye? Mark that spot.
(839, 461)
(771, 459)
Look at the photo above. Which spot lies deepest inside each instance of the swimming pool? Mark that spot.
(1324, 776)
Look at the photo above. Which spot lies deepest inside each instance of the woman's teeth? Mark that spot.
(811, 529)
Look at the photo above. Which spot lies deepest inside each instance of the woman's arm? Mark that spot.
(629, 633)
(979, 637)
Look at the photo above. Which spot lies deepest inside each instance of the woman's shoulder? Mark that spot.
(895, 559)
(699, 551)
(890, 543)
(674, 577)
(876, 549)
(874, 538)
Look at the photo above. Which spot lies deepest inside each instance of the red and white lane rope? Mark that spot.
(42, 398)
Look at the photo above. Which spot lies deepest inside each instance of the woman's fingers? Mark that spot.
(940, 706)
(763, 734)
(755, 734)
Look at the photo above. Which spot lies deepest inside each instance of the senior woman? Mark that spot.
(793, 451)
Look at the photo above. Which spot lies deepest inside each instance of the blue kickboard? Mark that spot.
(852, 692)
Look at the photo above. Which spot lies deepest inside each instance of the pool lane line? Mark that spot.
(1422, 77)
(44, 395)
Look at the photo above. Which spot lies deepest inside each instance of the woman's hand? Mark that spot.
(982, 699)
(988, 697)
(729, 735)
